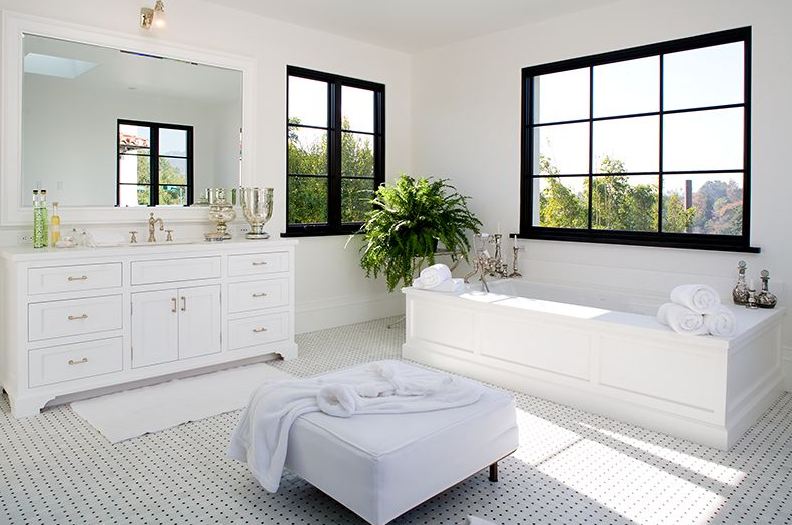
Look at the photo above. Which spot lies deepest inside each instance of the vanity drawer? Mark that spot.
(74, 317)
(171, 270)
(258, 263)
(73, 278)
(66, 362)
(258, 330)
(243, 297)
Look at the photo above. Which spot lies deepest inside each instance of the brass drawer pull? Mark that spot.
(184, 304)
(77, 317)
(81, 278)
(259, 330)
(80, 362)
(174, 304)
(262, 294)
(259, 263)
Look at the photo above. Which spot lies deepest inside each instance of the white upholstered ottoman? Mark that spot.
(382, 465)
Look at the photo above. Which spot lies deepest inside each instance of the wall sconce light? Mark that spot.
(153, 17)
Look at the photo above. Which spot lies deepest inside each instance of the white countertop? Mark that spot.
(28, 253)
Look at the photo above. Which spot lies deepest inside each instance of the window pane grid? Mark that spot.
(352, 153)
(167, 177)
(655, 190)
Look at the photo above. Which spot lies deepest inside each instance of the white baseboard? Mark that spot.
(786, 365)
(339, 311)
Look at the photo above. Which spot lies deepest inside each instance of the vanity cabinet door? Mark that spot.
(155, 327)
(199, 321)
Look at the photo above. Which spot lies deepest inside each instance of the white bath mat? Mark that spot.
(132, 413)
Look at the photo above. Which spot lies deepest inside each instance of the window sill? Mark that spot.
(309, 232)
(666, 241)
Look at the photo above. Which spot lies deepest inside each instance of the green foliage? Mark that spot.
(616, 204)
(407, 221)
(168, 174)
(719, 208)
(308, 195)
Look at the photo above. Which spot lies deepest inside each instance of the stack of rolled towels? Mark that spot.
(696, 309)
(438, 278)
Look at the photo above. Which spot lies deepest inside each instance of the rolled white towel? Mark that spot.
(722, 323)
(337, 400)
(700, 298)
(682, 320)
(434, 275)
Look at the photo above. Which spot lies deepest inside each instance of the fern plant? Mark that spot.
(407, 221)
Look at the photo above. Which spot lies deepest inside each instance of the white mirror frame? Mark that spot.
(12, 213)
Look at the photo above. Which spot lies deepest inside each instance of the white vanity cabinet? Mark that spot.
(175, 324)
(82, 319)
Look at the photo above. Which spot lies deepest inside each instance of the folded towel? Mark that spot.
(682, 320)
(434, 275)
(700, 298)
(452, 285)
(722, 323)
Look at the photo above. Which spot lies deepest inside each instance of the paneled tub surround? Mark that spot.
(585, 348)
(75, 320)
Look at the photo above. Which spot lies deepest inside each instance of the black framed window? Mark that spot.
(648, 145)
(155, 164)
(335, 135)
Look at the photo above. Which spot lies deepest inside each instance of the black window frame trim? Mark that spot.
(154, 184)
(659, 238)
(334, 225)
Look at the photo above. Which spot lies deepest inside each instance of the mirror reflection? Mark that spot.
(108, 127)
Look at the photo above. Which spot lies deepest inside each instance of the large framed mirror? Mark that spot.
(111, 125)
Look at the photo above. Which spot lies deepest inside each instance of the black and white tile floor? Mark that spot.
(572, 467)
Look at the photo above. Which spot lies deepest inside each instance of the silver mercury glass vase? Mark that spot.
(256, 205)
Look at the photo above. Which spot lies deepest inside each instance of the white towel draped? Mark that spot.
(385, 387)
(681, 319)
(722, 322)
(700, 298)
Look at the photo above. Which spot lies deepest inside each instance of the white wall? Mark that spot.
(466, 125)
(331, 289)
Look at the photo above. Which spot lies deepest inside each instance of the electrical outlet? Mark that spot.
(244, 228)
(25, 238)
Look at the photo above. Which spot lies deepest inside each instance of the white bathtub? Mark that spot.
(604, 352)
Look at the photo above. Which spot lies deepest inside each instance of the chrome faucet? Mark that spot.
(490, 266)
(152, 222)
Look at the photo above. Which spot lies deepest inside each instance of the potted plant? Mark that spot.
(407, 221)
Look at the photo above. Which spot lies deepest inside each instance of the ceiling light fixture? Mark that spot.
(153, 17)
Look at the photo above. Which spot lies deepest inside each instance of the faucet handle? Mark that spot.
(169, 237)
(132, 237)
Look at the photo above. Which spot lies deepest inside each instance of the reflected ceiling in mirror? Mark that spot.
(108, 127)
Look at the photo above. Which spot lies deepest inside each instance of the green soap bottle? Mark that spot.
(40, 221)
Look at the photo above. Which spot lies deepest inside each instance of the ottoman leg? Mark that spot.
(493, 472)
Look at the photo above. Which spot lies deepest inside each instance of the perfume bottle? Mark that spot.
(740, 292)
(765, 299)
(40, 236)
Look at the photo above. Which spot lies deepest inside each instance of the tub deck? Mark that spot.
(619, 364)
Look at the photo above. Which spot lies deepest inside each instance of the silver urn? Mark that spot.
(256, 205)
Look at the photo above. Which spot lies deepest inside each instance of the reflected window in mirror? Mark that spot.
(335, 151)
(155, 164)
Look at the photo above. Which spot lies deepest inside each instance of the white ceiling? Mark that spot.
(411, 25)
